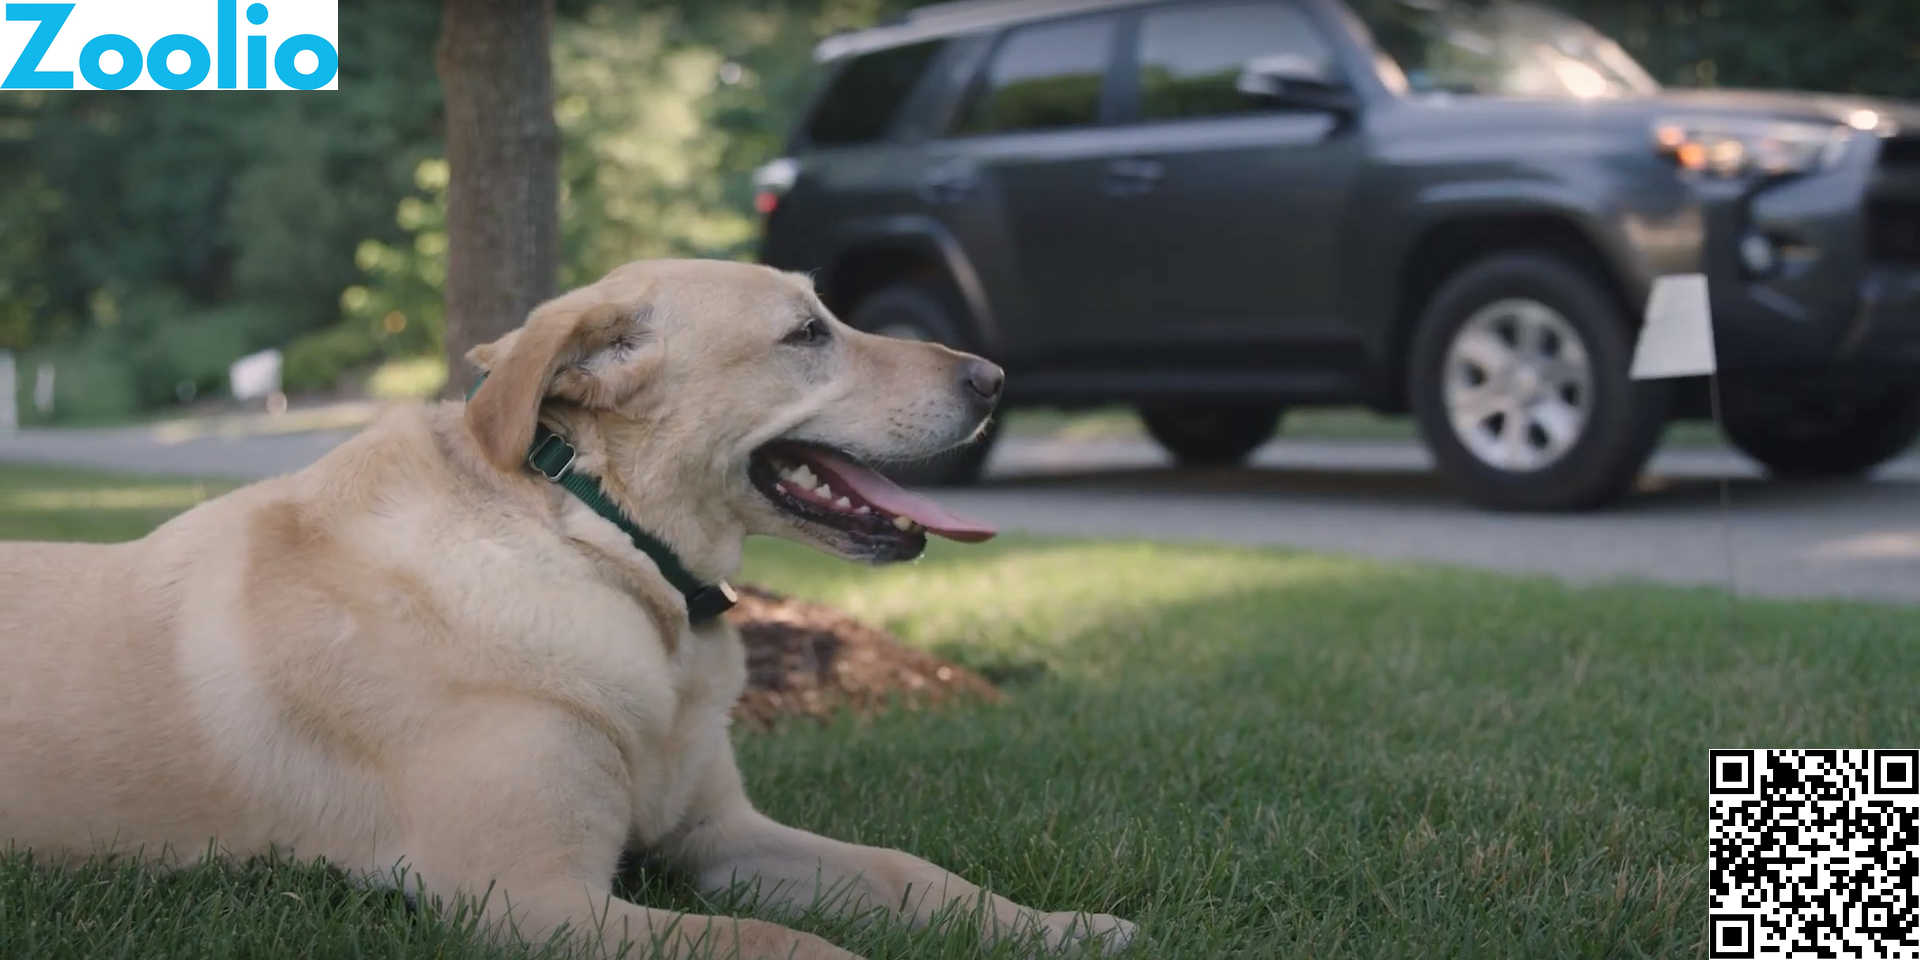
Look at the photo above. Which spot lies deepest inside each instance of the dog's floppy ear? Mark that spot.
(587, 354)
(484, 355)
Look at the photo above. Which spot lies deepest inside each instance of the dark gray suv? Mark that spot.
(1213, 210)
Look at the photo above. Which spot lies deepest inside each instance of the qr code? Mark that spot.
(1812, 853)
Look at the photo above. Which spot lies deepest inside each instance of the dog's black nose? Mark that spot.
(985, 379)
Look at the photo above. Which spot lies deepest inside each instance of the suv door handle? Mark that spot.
(951, 183)
(1133, 176)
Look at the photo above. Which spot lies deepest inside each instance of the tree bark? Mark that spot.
(503, 155)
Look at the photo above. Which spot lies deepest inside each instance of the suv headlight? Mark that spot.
(1738, 148)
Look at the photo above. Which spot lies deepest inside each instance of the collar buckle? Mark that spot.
(711, 601)
(538, 457)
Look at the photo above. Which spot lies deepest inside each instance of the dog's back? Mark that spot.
(142, 708)
(92, 706)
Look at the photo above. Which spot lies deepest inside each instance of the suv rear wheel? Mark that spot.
(1518, 379)
(913, 312)
(1823, 436)
(1210, 436)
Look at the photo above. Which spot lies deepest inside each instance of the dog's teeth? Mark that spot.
(902, 523)
(825, 492)
(843, 503)
(802, 476)
(862, 510)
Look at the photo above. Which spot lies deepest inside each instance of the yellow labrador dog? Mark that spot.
(421, 651)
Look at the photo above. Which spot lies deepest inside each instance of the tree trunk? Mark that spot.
(503, 154)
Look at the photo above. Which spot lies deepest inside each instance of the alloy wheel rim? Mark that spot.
(1518, 385)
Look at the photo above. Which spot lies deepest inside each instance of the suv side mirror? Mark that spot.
(1291, 80)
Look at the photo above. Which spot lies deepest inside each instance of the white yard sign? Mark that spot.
(9, 392)
(1677, 340)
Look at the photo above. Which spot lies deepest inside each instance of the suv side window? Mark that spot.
(1191, 56)
(860, 103)
(1042, 77)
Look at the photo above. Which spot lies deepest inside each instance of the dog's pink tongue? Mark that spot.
(889, 497)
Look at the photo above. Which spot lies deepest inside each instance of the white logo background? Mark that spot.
(146, 21)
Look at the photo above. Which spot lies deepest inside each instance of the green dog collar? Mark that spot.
(552, 457)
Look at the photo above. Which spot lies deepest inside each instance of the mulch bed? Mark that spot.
(806, 659)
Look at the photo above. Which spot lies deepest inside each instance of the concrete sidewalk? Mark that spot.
(1375, 498)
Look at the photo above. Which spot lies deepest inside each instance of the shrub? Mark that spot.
(317, 361)
(90, 384)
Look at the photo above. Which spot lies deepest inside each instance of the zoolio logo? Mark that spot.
(171, 45)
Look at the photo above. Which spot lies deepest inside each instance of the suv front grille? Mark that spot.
(1893, 231)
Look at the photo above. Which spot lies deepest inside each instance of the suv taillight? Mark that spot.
(772, 181)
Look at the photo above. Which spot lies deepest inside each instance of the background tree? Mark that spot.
(503, 162)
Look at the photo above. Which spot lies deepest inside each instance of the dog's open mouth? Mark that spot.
(832, 489)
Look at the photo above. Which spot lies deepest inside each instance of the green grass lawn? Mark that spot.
(1253, 753)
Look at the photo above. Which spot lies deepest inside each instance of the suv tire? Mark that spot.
(914, 312)
(1518, 378)
(1823, 436)
(1210, 436)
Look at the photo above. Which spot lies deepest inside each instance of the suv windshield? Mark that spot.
(1497, 49)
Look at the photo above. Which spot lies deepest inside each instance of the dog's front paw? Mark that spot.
(1108, 933)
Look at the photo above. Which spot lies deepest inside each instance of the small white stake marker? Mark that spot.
(9, 412)
(1677, 339)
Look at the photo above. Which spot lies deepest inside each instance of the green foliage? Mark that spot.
(1859, 46)
(25, 294)
(664, 110)
(637, 172)
(1040, 103)
(146, 241)
(155, 349)
(92, 383)
(1164, 93)
(411, 378)
(398, 308)
(321, 359)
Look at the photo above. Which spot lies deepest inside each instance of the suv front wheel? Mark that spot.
(913, 312)
(1518, 378)
(1823, 436)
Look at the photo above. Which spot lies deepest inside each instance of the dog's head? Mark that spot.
(729, 393)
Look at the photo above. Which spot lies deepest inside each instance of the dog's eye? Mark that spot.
(811, 333)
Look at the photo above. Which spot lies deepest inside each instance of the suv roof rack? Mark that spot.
(945, 19)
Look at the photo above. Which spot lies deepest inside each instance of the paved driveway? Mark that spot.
(1702, 517)
(1372, 498)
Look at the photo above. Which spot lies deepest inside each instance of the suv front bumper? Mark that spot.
(1886, 325)
(1843, 290)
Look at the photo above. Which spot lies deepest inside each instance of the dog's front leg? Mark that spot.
(730, 843)
(523, 808)
(616, 928)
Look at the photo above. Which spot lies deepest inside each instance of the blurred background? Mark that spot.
(147, 242)
(171, 266)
